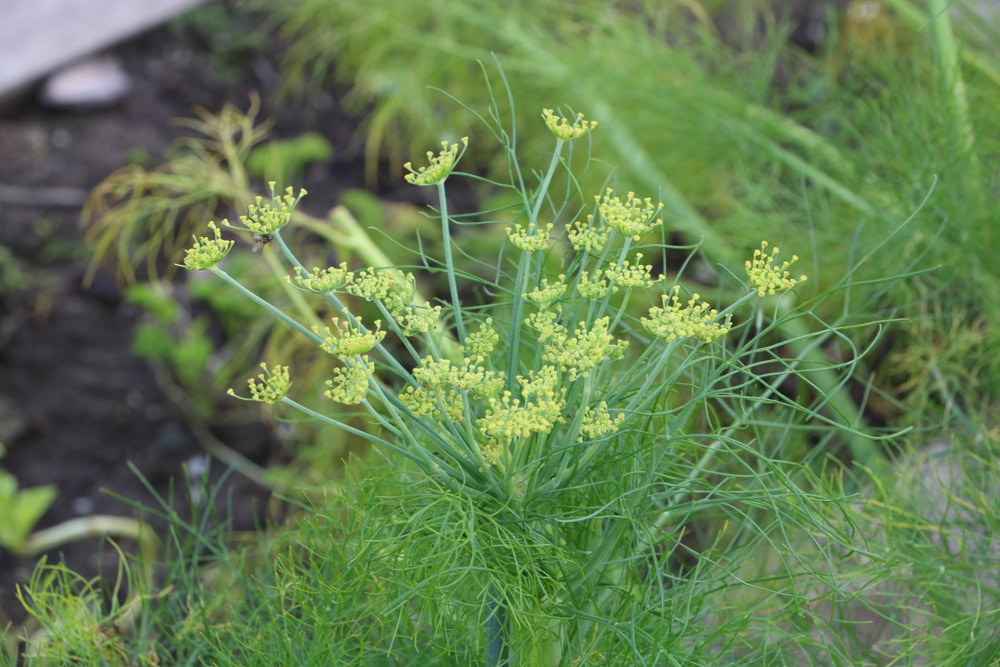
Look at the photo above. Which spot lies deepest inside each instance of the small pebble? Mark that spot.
(99, 81)
(83, 505)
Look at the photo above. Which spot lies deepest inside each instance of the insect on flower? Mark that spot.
(261, 240)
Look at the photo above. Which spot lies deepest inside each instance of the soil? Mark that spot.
(76, 406)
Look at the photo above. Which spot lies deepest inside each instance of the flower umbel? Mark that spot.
(632, 217)
(507, 418)
(579, 353)
(674, 320)
(627, 275)
(265, 218)
(545, 293)
(561, 128)
(269, 387)
(331, 279)
(206, 252)
(766, 276)
(350, 340)
(440, 167)
(530, 239)
(350, 383)
(598, 422)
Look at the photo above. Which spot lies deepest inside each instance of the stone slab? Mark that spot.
(39, 36)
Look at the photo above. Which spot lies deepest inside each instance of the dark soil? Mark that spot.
(76, 407)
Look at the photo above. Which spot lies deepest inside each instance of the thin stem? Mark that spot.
(449, 262)
(266, 305)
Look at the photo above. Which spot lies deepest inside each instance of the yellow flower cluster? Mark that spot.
(321, 281)
(530, 239)
(265, 218)
(207, 252)
(507, 418)
(585, 237)
(561, 127)
(545, 294)
(591, 289)
(630, 276)
(579, 353)
(442, 384)
(482, 341)
(766, 276)
(440, 166)
(270, 386)
(674, 320)
(350, 382)
(416, 319)
(351, 340)
(598, 422)
(632, 217)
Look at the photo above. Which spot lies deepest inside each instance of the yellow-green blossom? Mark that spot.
(270, 386)
(586, 236)
(264, 218)
(351, 340)
(321, 281)
(493, 451)
(416, 319)
(441, 385)
(674, 320)
(627, 275)
(598, 422)
(632, 217)
(579, 353)
(530, 239)
(481, 342)
(350, 383)
(766, 276)
(507, 418)
(207, 252)
(561, 128)
(545, 294)
(379, 285)
(440, 166)
(591, 289)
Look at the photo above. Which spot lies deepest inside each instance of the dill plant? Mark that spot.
(590, 449)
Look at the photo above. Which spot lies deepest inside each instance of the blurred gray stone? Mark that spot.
(39, 36)
(99, 81)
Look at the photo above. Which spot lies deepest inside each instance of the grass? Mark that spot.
(769, 524)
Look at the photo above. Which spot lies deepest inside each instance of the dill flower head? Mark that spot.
(545, 294)
(439, 167)
(561, 127)
(632, 217)
(766, 275)
(532, 238)
(269, 387)
(322, 281)
(350, 340)
(627, 275)
(693, 320)
(207, 252)
(264, 218)
(509, 418)
(350, 383)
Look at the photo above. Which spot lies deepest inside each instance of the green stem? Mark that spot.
(449, 262)
(266, 305)
(521, 279)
